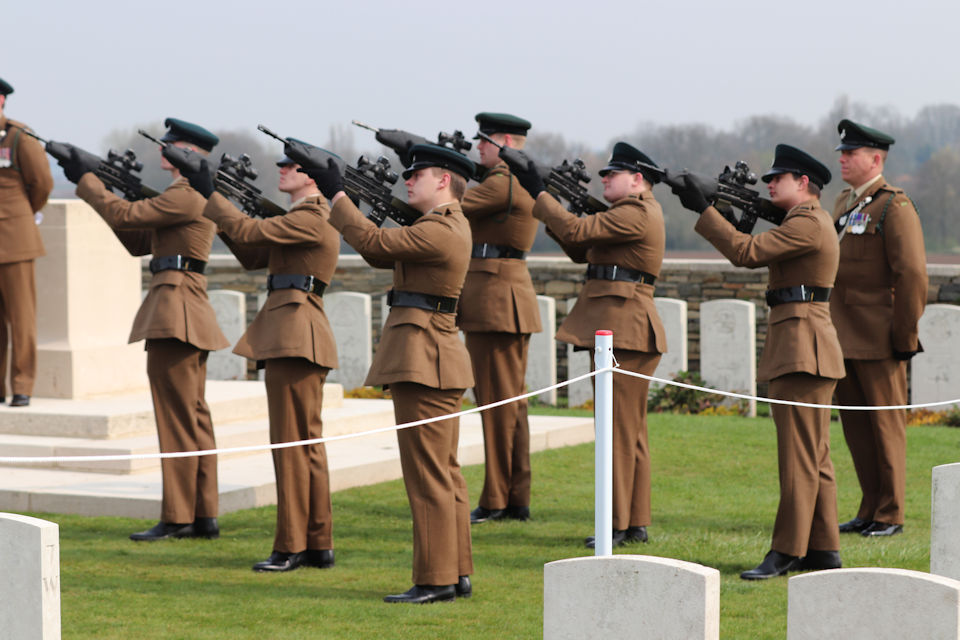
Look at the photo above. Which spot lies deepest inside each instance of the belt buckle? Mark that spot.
(438, 305)
(613, 272)
(803, 294)
(310, 280)
(178, 262)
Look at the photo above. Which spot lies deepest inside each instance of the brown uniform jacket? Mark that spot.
(430, 256)
(881, 287)
(498, 293)
(292, 323)
(801, 251)
(629, 234)
(25, 185)
(171, 223)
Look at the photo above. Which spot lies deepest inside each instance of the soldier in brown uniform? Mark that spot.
(178, 324)
(25, 184)
(420, 356)
(624, 248)
(291, 338)
(801, 358)
(498, 312)
(880, 294)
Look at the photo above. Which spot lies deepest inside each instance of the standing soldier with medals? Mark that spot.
(624, 247)
(25, 185)
(801, 358)
(420, 356)
(880, 294)
(497, 313)
(292, 340)
(177, 322)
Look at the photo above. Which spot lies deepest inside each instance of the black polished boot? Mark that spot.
(424, 594)
(773, 565)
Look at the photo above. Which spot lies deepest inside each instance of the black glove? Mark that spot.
(903, 355)
(691, 194)
(525, 170)
(192, 166)
(328, 178)
(80, 162)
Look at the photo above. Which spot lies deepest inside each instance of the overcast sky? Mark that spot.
(588, 70)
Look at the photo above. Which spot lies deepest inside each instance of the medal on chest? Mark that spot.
(5, 162)
(854, 221)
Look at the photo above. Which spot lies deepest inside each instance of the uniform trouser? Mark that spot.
(294, 399)
(499, 368)
(631, 452)
(877, 439)
(435, 487)
(18, 302)
(807, 514)
(178, 373)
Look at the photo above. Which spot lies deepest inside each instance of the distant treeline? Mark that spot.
(925, 161)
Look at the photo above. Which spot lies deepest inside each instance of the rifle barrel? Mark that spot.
(365, 126)
(151, 138)
(270, 133)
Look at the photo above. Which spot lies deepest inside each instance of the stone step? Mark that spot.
(352, 417)
(248, 481)
(131, 415)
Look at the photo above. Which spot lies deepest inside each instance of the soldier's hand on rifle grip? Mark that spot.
(691, 194)
(80, 162)
(328, 178)
(525, 170)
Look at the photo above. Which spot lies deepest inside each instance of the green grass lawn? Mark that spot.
(714, 500)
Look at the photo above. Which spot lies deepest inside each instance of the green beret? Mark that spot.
(182, 131)
(853, 136)
(626, 157)
(431, 155)
(5, 88)
(490, 123)
(789, 159)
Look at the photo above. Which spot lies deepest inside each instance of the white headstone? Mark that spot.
(728, 347)
(945, 521)
(349, 314)
(542, 357)
(30, 584)
(935, 373)
(673, 315)
(630, 596)
(578, 364)
(872, 604)
(231, 310)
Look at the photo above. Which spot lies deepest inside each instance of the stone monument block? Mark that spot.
(630, 596)
(578, 364)
(872, 603)
(30, 588)
(542, 357)
(945, 521)
(935, 373)
(231, 310)
(673, 315)
(88, 292)
(349, 315)
(728, 347)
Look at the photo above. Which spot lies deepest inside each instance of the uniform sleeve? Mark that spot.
(176, 205)
(798, 235)
(490, 197)
(903, 241)
(136, 242)
(301, 226)
(614, 226)
(34, 171)
(577, 254)
(424, 241)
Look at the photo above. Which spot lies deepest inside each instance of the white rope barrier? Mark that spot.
(407, 425)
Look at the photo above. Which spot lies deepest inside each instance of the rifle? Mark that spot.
(230, 179)
(116, 172)
(367, 182)
(401, 141)
(730, 191)
(565, 181)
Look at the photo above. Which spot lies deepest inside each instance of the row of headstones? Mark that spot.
(727, 346)
(615, 596)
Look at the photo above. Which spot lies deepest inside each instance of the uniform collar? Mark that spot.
(313, 198)
(859, 191)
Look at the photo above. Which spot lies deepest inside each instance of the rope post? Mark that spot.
(603, 425)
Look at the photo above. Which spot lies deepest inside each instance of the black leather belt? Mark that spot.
(177, 263)
(802, 293)
(485, 250)
(310, 284)
(623, 274)
(426, 301)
